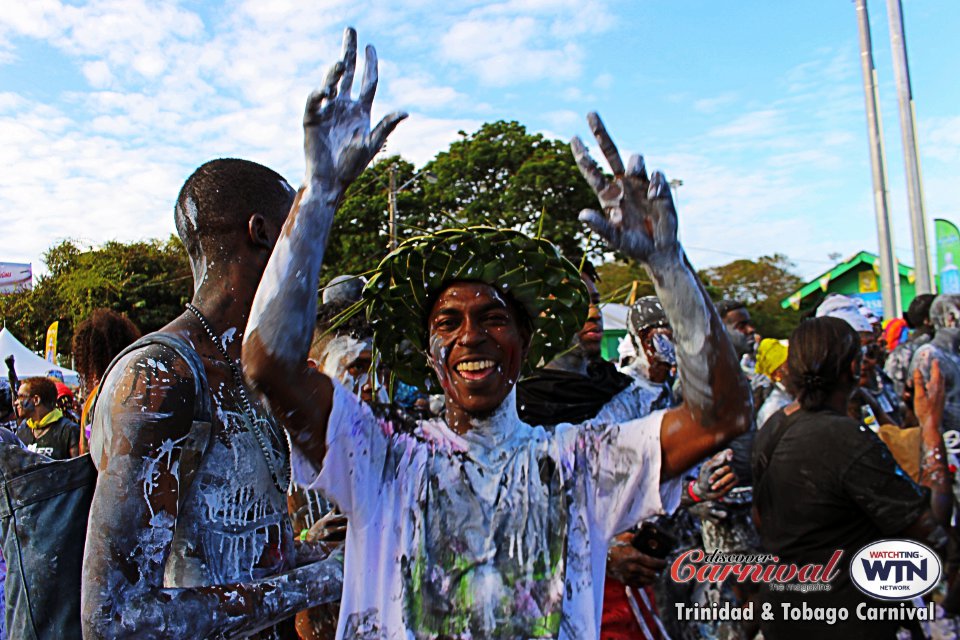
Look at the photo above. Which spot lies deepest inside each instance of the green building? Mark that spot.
(857, 277)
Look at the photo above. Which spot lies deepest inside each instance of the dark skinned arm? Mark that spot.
(929, 400)
(338, 145)
(638, 219)
(148, 416)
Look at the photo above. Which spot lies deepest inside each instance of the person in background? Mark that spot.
(8, 416)
(736, 318)
(876, 401)
(66, 401)
(96, 341)
(945, 348)
(46, 429)
(579, 384)
(772, 363)
(854, 493)
(655, 354)
(897, 365)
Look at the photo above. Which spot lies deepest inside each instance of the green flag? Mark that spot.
(948, 254)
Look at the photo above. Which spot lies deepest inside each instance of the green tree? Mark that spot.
(149, 281)
(761, 284)
(617, 278)
(506, 177)
(359, 238)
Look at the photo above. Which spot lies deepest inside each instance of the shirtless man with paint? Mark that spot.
(479, 525)
(188, 534)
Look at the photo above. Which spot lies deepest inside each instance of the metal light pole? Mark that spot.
(392, 203)
(908, 124)
(675, 184)
(889, 276)
(392, 197)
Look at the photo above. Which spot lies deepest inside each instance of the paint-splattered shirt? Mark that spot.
(498, 533)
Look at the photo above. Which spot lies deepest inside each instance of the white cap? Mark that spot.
(838, 306)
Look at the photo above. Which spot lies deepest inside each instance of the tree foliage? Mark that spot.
(761, 284)
(149, 281)
(360, 236)
(500, 175)
(617, 278)
(503, 176)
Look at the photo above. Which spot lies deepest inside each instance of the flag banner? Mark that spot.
(948, 253)
(50, 353)
(15, 276)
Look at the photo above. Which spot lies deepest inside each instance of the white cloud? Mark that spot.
(98, 74)
(418, 138)
(512, 42)
(762, 123)
(714, 104)
(563, 119)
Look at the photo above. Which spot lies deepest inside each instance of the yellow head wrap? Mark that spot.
(771, 355)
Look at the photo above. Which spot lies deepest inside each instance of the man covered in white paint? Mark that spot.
(188, 535)
(479, 525)
(945, 347)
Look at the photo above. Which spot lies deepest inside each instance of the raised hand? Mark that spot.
(338, 142)
(637, 218)
(929, 396)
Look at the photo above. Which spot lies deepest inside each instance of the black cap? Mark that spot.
(645, 313)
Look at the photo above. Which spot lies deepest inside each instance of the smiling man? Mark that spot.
(480, 525)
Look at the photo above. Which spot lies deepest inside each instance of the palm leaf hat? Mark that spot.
(531, 271)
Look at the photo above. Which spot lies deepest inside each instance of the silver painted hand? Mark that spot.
(637, 218)
(338, 142)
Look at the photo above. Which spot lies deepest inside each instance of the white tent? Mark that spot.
(614, 315)
(29, 364)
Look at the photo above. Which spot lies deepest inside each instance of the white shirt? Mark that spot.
(498, 533)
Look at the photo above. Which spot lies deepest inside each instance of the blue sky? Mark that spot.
(107, 106)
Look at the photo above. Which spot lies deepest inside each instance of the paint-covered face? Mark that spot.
(945, 312)
(477, 346)
(347, 360)
(25, 403)
(660, 351)
(738, 320)
(591, 335)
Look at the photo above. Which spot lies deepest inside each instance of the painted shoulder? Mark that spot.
(152, 385)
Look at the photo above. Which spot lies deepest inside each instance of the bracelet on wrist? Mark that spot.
(693, 494)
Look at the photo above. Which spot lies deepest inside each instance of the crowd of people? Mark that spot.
(441, 451)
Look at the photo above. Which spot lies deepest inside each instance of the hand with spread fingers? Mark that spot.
(638, 218)
(338, 141)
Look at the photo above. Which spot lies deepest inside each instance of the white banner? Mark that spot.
(15, 276)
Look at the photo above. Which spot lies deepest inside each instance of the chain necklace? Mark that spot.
(281, 481)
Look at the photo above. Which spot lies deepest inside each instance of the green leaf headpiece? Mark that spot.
(531, 271)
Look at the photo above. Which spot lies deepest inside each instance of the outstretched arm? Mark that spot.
(928, 403)
(639, 220)
(146, 414)
(338, 144)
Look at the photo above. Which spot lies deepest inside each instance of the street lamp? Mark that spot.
(392, 200)
(675, 184)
